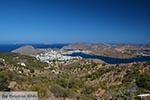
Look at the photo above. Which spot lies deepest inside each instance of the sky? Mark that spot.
(69, 21)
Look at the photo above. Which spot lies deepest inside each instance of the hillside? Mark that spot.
(115, 51)
(27, 50)
(83, 79)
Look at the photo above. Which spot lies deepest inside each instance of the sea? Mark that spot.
(10, 47)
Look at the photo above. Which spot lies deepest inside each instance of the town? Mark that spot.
(53, 57)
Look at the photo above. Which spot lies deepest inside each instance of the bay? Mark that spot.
(111, 60)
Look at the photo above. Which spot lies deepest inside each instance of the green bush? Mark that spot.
(57, 90)
(98, 73)
(144, 81)
(42, 91)
(62, 82)
(75, 83)
(88, 89)
(3, 82)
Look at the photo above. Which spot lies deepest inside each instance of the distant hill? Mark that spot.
(27, 50)
(116, 51)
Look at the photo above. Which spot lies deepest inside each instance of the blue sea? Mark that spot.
(10, 47)
(113, 60)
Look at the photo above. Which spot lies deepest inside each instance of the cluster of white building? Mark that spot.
(76, 51)
(51, 56)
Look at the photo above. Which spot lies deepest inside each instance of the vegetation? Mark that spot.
(144, 81)
(3, 82)
(83, 79)
(42, 90)
(31, 62)
(98, 73)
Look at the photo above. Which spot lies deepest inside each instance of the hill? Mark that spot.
(84, 79)
(27, 50)
(115, 51)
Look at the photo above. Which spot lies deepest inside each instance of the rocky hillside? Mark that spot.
(84, 79)
(117, 51)
(27, 50)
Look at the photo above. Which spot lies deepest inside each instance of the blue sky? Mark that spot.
(68, 21)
